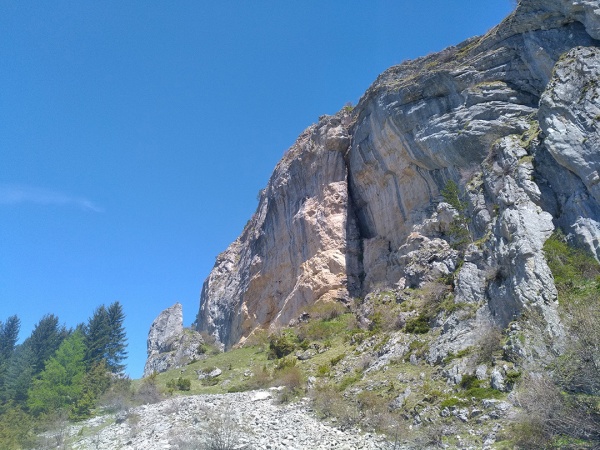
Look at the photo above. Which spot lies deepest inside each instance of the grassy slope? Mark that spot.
(357, 372)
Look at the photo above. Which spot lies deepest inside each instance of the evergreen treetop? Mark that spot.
(9, 334)
(105, 338)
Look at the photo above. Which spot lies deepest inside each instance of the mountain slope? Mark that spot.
(358, 202)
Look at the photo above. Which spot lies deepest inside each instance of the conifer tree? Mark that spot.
(19, 375)
(97, 335)
(105, 338)
(28, 359)
(45, 339)
(9, 334)
(117, 343)
(60, 384)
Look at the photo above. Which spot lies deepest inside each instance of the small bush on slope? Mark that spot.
(281, 345)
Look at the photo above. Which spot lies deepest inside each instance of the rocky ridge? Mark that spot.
(357, 202)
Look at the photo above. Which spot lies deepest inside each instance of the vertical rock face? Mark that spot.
(168, 325)
(356, 203)
(169, 344)
(570, 119)
(296, 249)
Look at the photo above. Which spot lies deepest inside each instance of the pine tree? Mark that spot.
(45, 339)
(28, 359)
(97, 335)
(105, 338)
(9, 334)
(117, 343)
(60, 385)
(19, 375)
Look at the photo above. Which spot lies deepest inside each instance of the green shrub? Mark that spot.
(376, 321)
(480, 393)
(184, 384)
(348, 380)
(512, 376)
(333, 361)
(570, 266)
(417, 325)
(323, 370)
(356, 336)
(451, 195)
(460, 354)
(206, 349)
(459, 228)
(453, 401)
(281, 345)
(323, 329)
(286, 361)
(432, 394)
(470, 382)
(16, 429)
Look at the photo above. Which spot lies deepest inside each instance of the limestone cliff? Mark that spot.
(511, 117)
(297, 247)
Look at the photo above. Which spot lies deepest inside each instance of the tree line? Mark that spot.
(56, 369)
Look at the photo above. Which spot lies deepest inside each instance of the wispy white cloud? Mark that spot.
(16, 194)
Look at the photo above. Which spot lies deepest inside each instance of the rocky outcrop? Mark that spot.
(170, 345)
(356, 204)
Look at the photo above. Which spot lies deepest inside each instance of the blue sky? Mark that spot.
(135, 136)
